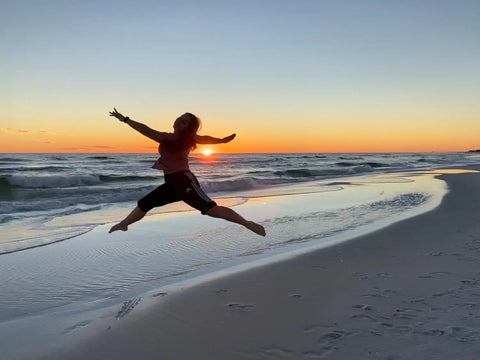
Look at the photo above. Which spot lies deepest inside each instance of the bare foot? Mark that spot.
(256, 228)
(119, 226)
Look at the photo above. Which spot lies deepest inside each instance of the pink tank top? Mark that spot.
(171, 162)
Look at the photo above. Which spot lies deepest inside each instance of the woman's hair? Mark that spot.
(187, 135)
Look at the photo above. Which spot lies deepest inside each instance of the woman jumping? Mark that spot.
(180, 183)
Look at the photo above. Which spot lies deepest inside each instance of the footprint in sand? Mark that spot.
(470, 282)
(331, 336)
(241, 306)
(404, 316)
(312, 328)
(374, 295)
(467, 305)
(361, 276)
(384, 275)
(362, 307)
(379, 293)
(328, 342)
(443, 293)
(128, 306)
(277, 351)
(436, 253)
(389, 325)
(77, 326)
(364, 317)
(464, 335)
(435, 275)
(432, 332)
(403, 328)
(417, 301)
(319, 353)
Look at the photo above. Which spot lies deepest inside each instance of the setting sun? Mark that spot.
(207, 152)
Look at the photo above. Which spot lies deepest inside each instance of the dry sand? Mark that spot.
(409, 291)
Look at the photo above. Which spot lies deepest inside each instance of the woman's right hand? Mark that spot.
(116, 114)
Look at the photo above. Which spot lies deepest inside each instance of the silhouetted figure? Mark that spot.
(180, 182)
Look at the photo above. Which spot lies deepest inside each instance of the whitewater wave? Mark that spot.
(241, 184)
(370, 164)
(52, 181)
(340, 170)
(45, 181)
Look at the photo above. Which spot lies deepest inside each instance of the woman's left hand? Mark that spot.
(229, 138)
(116, 114)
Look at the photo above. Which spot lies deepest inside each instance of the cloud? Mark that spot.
(28, 131)
(73, 148)
(102, 147)
(10, 130)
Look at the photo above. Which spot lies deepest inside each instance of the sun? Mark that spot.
(207, 152)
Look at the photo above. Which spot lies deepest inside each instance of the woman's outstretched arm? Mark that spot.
(205, 139)
(142, 128)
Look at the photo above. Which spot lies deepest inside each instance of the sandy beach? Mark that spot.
(408, 291)
(346, 132)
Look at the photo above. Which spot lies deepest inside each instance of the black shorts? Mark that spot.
(182, 185)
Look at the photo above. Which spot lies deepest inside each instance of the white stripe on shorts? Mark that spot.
(198, 189)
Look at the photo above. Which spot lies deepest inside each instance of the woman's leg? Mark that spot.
(134, 216)
(228, 214)
(162, 195)
(198, 199)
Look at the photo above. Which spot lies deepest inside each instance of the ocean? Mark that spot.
(87, 190)
(56, 209)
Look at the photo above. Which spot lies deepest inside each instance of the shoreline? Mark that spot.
(404, 291)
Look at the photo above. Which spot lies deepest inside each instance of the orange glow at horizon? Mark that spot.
(334, 136)
(319, 144)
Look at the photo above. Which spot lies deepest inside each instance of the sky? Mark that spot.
(285, 76)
